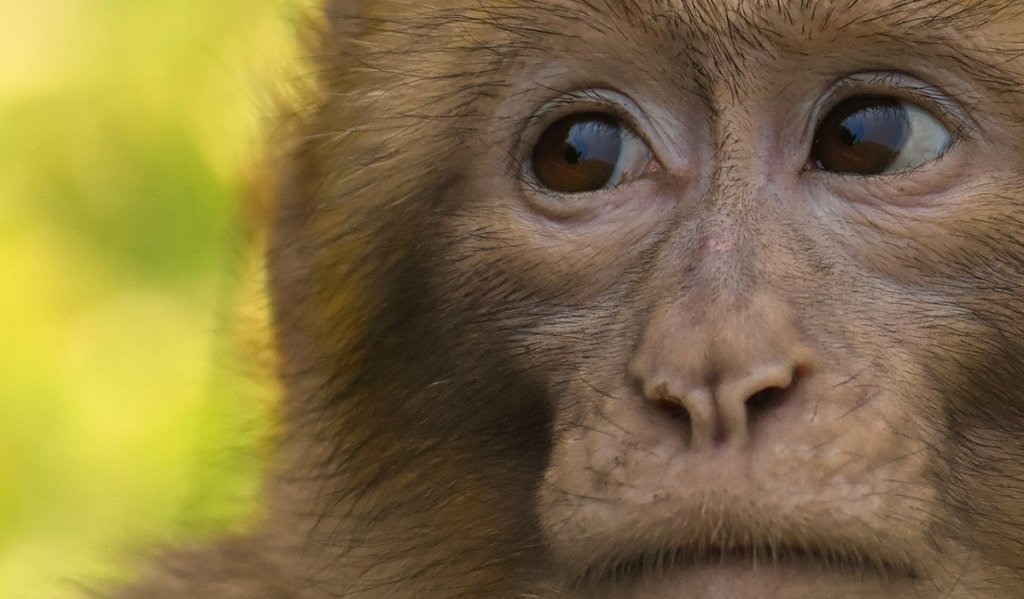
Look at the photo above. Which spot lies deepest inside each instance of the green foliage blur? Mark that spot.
(126, 131)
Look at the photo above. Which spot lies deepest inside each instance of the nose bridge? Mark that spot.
(722, 344)
(738, 202)
(723, 244)
(725, 260)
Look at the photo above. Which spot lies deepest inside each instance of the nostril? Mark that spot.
(770, 398)
(693, 411)
(744, 400)
(764, 401)
(680, 417)
(673, 408)
(728, 413)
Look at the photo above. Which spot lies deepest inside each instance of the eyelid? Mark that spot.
(590, 99)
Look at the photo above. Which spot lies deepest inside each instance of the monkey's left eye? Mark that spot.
(588, 152)
(873, 135)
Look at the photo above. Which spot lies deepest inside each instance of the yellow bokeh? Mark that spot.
(126, 131)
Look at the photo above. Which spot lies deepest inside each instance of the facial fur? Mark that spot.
(736, 374)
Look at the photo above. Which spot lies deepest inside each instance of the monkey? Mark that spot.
(646, 298)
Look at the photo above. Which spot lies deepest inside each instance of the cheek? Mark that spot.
(565, 263)
(938, 243)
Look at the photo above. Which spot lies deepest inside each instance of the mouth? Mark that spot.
(740, 543)
(837, 559)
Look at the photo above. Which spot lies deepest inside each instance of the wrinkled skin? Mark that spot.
(736, 374)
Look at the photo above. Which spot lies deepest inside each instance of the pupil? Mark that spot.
(572, 155)
(847, 136)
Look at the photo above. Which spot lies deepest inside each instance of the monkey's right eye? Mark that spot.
(588, 152)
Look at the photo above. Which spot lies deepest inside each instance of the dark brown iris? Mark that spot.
(578, 153)
(862, 136)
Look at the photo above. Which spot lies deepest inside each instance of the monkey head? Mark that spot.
(651, 298)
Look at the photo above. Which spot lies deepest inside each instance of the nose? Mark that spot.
(721, 370)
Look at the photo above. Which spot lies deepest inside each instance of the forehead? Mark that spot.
(982, 34)
(732, 21)
(785, 12)
(982, 37)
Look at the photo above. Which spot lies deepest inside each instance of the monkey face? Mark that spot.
(666, 299)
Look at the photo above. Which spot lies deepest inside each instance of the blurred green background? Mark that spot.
(127, 130)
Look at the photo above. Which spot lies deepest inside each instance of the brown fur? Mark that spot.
(468, 380)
